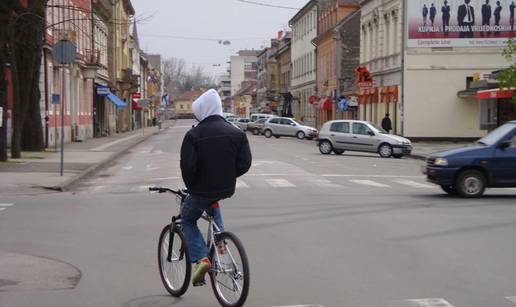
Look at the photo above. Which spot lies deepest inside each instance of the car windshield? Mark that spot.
(495, 136)
(377, 129)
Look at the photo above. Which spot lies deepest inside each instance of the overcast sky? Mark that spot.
(245, 25)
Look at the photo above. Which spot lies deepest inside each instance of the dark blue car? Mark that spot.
(489, 163)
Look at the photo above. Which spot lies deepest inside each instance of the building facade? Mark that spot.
(328, 42)
(283, 58)
(381, 53)
(184, 102)
(243, 67)
(423, 81)
(303, 58)
(267, 87)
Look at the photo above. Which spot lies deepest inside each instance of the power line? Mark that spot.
(270, 5)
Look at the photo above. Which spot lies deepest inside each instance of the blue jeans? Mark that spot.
(192, 209)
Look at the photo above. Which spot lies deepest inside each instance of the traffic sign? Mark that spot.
(64, 52)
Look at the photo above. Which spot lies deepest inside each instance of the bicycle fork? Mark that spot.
(171, 241)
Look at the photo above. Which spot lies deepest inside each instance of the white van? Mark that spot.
(228, 115)
(256, 116)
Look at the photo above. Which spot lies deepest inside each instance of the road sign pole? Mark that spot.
(62, 119)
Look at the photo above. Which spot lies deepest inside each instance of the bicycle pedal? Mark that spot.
(199, 284)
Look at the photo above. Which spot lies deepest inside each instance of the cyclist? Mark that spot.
(213, 155)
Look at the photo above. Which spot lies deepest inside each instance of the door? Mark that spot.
(362, 139)
(288, 127)
(340, 135)
(274, 125)
(504, 164)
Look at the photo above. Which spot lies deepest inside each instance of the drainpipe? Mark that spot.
(45, 71)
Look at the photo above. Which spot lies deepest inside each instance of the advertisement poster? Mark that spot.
(460, 23)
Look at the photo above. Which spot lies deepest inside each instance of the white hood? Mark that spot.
(207, 104)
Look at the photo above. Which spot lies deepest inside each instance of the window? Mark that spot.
(359, 128)
(342, 127)
(274, 121)
(286, 121)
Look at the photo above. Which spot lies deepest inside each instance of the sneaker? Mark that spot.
(200, 269)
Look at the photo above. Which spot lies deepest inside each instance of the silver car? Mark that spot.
(242, 123)
(285, 126)
(353, 135)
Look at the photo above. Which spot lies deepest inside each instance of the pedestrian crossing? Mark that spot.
(277, 182)
(4, 206)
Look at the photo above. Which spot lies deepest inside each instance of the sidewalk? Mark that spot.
(41, 170)
(422, 150)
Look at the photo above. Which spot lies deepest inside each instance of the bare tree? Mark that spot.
(178, 80)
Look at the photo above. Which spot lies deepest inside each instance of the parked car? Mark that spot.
(285, 126)
(340, 135)
(232, 119)
(468, 171)
(257, 126)
(242, 123)
(256, 116)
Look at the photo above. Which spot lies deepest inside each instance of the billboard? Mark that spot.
(460, 23)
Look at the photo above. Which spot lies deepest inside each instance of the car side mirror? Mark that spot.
(504, 145)
(371, 133)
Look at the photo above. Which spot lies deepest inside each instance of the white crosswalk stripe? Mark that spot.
(413, 184)
(511, 298)
(240, 184)
(370, 183)
(279, 183)
(1, 209)
(325, 183)
(6, 205)
(431, 302)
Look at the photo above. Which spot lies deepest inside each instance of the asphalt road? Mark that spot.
(352, 230)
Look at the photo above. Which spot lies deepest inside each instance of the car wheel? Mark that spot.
(385, 151)
(338, 151)
(470, 184)
(300, 135)
(325, 147)
(267, 133)
(450, 189)
(397, 156)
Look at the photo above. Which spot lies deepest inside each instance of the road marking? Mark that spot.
(431, 302)
(511, 298)
(325, 183)
(2, 209)
(413, 184)
(158, 152)
(98, 188)
(371, 183)
(126, 168)
(178, 127)
(102, 147)
(240, 184)
(6, 205)
(270, 174)
(162, 178)
(369, 176)
(280, 183)
(150, 168)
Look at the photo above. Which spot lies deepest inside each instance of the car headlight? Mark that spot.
(441, 162)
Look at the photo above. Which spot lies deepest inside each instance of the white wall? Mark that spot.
(432, 80)
(304, 30)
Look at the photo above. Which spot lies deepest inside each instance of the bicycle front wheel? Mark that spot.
(175, 271)
(230, 271)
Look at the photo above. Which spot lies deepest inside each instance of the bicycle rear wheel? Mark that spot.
(175, 274)
(230, 271)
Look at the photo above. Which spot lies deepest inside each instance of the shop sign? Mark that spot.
(103, 90)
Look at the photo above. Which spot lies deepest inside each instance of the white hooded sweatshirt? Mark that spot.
(207, 104)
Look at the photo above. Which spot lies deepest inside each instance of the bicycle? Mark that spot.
(225, 249)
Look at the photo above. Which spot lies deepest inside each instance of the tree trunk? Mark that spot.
(27, 34)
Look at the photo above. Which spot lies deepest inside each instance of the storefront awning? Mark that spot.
(469, 93)
(495, 93)
(116, 100)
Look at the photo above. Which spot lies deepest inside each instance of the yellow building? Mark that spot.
(126, 82)
(184, 102)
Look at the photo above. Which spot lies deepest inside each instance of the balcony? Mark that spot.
(129, 78)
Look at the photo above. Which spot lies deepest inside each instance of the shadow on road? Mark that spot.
(153, 301)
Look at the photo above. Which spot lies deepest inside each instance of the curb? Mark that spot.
(65, 186)
(418, 157)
